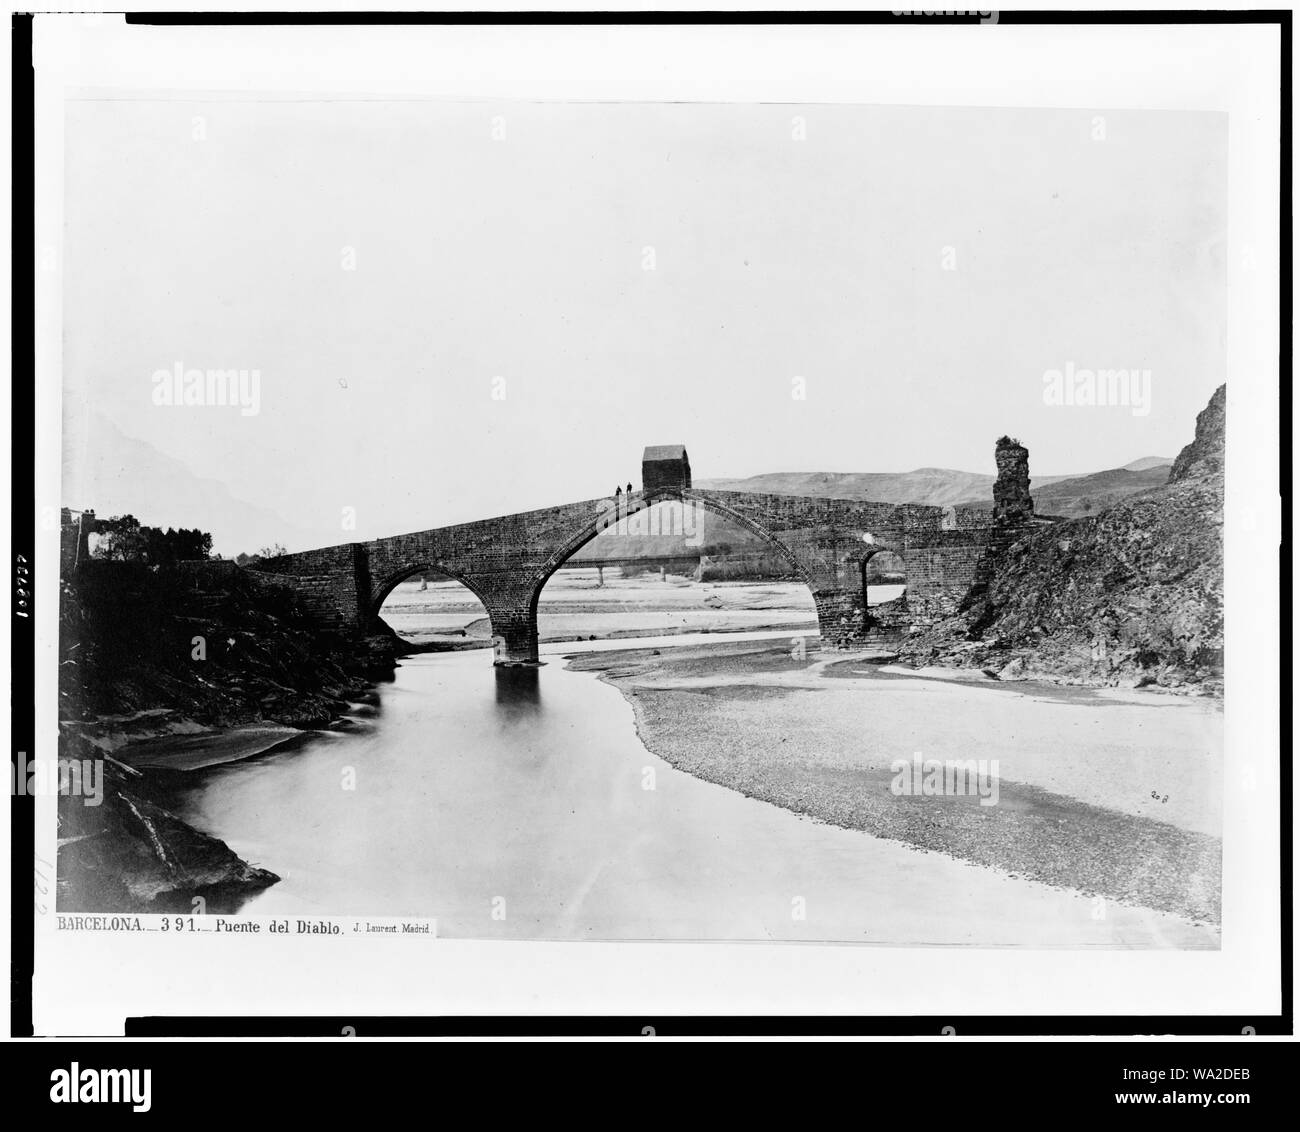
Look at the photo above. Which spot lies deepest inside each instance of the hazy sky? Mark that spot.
(215, 235)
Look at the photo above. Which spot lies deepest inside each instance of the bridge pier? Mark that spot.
(514, 631)
(840, 616)
(514, 646)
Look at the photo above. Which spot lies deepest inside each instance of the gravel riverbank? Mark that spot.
(1115, 795)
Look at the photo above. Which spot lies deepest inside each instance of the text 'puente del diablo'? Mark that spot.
(947, 553)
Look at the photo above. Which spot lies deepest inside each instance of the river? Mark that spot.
(522, 804)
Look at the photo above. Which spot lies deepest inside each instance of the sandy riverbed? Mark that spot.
(1113, 795)
(577, 605)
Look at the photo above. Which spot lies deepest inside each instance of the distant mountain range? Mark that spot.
(1070, 496)
(939, 486)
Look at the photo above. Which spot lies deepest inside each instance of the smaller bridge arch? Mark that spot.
(890, 614)
(385, 586)
(393, 619)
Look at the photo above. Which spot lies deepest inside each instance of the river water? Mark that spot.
(522, 804)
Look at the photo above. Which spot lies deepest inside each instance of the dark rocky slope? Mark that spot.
(213, 642)
(145, 654)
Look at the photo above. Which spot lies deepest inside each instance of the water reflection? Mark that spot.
(519, 690)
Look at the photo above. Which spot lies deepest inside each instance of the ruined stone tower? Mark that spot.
(1011, 500)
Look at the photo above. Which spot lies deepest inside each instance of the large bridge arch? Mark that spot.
(830, 566)
(643, 502)
(626, 509)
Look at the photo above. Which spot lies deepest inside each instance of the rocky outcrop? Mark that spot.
(130, 853)
(1130, 597)
(1204, 456)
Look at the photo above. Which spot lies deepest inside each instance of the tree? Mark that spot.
(253, 559)
(119, 539)
(123, 539)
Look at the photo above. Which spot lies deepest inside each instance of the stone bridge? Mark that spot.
(506, 561)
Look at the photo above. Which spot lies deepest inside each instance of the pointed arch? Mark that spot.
(643, 502)
(390, 582)
(426, 615)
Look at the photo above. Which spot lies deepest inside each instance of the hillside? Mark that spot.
(1068, 496)
(1130, 596)
(939, 487)
(1084, 495)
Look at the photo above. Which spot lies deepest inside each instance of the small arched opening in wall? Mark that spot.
(672, 567)
(884, 587)
(429, 608)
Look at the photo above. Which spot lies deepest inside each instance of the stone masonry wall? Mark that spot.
(326, 582)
